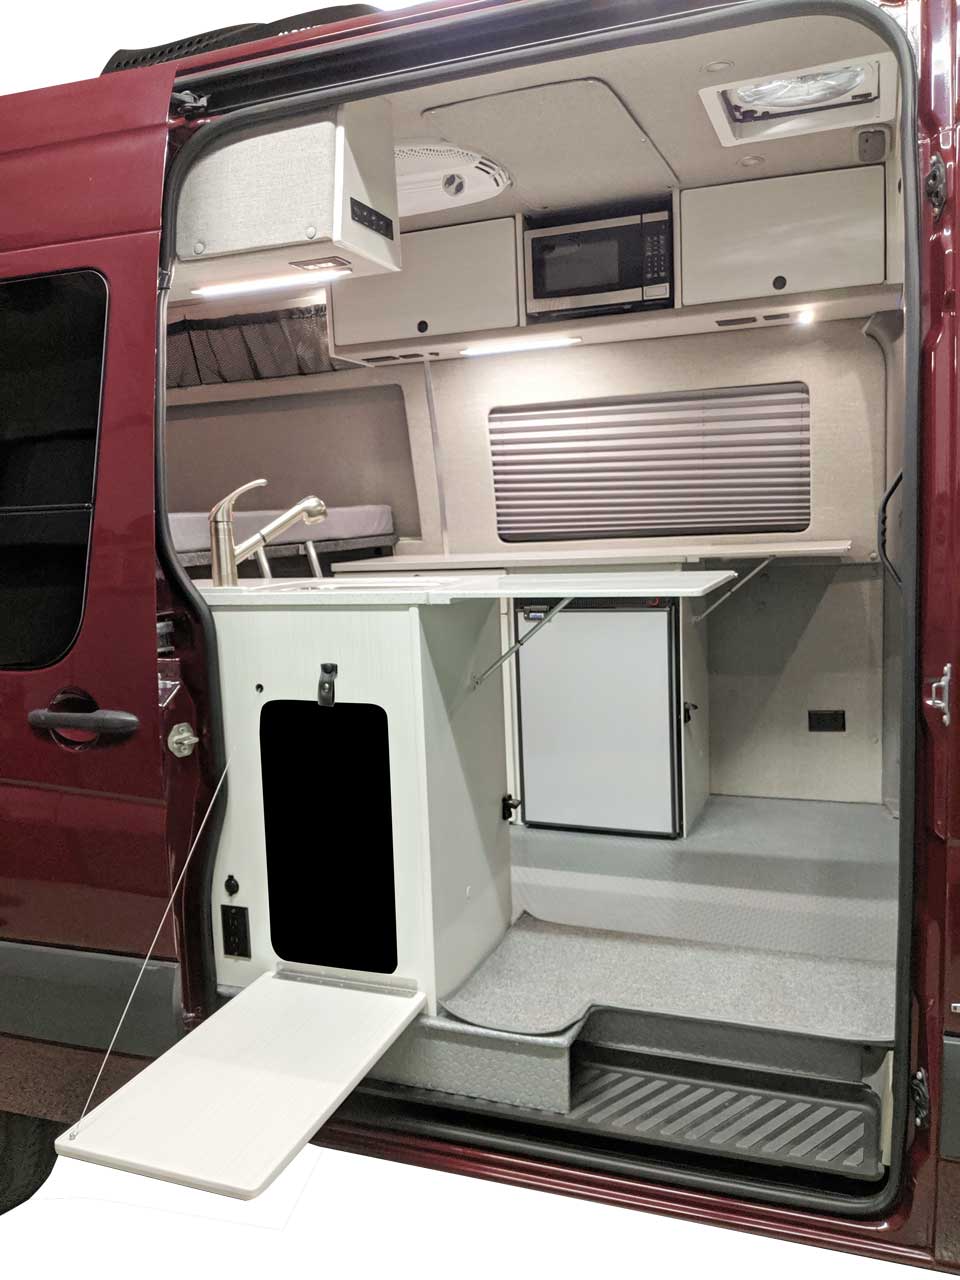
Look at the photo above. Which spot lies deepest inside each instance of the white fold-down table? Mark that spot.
(363, 866)
(390, 589)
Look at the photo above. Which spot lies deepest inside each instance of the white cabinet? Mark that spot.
(783, 235)
(454, 280)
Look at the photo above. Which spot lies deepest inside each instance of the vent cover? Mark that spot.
(433, 176)
(730, 461)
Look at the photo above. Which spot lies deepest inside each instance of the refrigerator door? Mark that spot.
(598, 714)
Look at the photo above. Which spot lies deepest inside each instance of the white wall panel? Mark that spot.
(843, 370)
(798, 638)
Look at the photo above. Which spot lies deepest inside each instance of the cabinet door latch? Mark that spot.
(939, 699)
(327, 686)
(508, 807)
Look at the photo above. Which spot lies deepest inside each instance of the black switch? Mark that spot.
(236, 931)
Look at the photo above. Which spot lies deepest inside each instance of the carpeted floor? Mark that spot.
(807, 877)
(543, 977)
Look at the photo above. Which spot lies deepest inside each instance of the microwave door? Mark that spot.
(588, 265)
(617, 263)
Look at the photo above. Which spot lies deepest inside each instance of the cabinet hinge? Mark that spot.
(935, 186)
(920, 1096)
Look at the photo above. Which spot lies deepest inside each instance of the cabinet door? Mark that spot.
(453, 280)
(783, 235)
(597, 721)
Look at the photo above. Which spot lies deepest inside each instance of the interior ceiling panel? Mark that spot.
(558, 141)
(656, 84)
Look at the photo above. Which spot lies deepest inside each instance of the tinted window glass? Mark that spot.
(51, 364)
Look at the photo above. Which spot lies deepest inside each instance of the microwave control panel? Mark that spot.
(657, 256)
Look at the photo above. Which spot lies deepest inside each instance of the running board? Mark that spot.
(745, 1115)
(828, 1126)
(232, 1103)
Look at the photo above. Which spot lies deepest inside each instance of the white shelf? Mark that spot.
(410, 590)
(510, 561)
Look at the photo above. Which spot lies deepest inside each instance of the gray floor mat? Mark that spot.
(809, 877)
(544, 977)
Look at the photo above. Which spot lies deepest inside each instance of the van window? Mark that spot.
(52, 331)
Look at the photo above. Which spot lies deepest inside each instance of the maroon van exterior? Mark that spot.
(91, 842)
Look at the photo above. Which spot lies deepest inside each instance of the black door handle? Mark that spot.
(120, 724)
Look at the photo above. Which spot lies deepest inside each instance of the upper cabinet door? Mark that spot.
(81, 816)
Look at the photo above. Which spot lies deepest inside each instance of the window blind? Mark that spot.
(735, 460)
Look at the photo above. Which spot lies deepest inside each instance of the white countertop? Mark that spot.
(448, 588)
(756, 549)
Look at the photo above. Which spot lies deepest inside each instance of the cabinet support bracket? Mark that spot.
(505, 657)
(741, 582)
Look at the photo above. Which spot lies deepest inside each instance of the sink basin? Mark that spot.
(366, 586)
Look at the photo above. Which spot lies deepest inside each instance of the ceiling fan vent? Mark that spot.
(434, 176)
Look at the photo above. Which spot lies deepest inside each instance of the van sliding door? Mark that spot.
(84, 861)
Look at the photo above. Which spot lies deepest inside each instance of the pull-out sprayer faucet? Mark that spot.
(226, 554)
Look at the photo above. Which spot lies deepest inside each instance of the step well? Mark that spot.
(827, 1126)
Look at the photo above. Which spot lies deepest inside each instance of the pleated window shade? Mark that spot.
(736, 460)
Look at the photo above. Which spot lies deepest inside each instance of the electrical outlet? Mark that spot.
(827, 721)
(236, 931)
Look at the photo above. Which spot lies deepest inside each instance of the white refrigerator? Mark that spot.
(599, 717)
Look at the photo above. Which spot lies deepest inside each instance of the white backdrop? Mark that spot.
(329, 1214)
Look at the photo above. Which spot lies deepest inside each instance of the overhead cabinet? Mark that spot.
(454, 280)
(317, 198)
(783, 235)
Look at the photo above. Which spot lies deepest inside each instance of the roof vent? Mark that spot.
(433, 176)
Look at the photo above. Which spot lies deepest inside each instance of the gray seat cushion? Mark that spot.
(191, 531)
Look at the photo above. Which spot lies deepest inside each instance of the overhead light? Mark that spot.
(805, 317)
(751, 162)
(721, 64)
(782, 95)
(323, 264)
(501, 346)
(265, 284)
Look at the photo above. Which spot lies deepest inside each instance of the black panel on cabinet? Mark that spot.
(329, 834)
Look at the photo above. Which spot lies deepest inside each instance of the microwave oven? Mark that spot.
(618, 264)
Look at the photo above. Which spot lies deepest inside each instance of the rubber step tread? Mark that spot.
(837, 1135)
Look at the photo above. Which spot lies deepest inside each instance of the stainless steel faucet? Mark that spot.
(226, 553)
